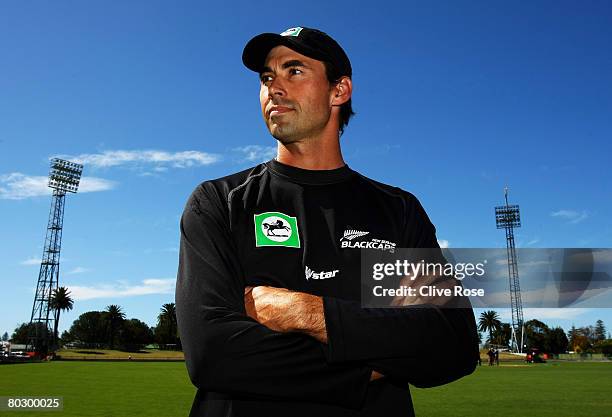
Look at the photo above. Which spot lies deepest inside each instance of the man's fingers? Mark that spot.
(249, 303)
(376, 375)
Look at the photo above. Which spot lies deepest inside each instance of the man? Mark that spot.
(268, 286)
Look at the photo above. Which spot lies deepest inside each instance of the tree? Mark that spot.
(489, 321)
(114, 317)
(5, 337)
(604, 346)
(60, 301)
(134, 335)
(166, 331)
(21, 335)
(168, 315)
(580, 338)
(600, 330)
(581, 344)
(89, 328)
(503, 334)
(557, 341)
(66, 337)
(536, 333)
(589, 333)
(571, 335)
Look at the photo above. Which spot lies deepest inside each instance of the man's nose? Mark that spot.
(277, 87)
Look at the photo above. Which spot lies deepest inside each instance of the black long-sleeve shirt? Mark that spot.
(282, 226)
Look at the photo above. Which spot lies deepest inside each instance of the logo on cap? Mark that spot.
(292, 31)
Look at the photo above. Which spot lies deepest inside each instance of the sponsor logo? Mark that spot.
(351, 240)
(276, 229)
(292, 31)
(310, 274)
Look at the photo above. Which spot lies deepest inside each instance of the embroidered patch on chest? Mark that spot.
(276, 229)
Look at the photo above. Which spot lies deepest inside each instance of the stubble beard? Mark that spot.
(292, 131)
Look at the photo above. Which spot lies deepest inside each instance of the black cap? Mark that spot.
(309, 42)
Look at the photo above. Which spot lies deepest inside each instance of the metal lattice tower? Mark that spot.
(64, 177)
(508, 217)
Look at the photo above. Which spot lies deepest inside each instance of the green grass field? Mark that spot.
(122, 389)
(129, 389)
(574, 389)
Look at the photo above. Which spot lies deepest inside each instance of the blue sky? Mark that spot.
(454, 101)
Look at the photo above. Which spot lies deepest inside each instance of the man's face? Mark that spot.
(295, 95)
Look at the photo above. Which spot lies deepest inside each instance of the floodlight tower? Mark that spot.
(64, 177)
(508, 217)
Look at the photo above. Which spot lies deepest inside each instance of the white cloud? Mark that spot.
(78, 270)
(547, 313)
(123, 289)
(572, 216)
(31, 261)
(522, 264)
(443, 243)
(18, 186)
(161, 159)
(93, 184)
(256, 153)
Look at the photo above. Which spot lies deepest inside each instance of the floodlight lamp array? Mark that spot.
(507, 216)
(65, 175)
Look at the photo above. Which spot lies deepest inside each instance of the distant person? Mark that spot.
(491, 356)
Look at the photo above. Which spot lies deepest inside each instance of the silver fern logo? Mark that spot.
(350, 240)
(352, 234)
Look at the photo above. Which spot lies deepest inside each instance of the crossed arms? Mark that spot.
(286, 311)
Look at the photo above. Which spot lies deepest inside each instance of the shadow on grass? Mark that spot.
(105, 351)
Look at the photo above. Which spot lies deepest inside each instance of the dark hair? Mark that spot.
(346, 110)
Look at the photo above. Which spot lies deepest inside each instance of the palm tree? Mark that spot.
(489, 321)
(60, 301)
(167, 318)
(114, 317)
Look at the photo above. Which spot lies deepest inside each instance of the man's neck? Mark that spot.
(317, 154)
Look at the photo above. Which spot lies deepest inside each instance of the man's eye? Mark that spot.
(265, 78)
(295, 71)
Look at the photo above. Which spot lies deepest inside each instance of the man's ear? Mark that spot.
(342, 91)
